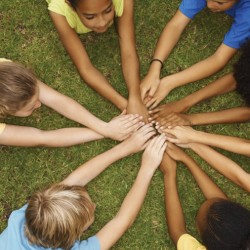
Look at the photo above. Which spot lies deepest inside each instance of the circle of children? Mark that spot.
(57, 217)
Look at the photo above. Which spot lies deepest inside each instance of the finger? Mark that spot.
(132, 121)
(134, 127)
(123, 112)
(155, 103)
(152, 91)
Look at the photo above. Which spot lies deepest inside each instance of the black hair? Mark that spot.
(242, 73)
(73, 3)
(228, 227)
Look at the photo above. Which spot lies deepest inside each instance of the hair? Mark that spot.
(228, 227)
(57, 216)
(18, 85)
(73, 3)
(242, 73)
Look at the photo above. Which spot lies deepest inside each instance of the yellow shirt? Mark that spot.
(62, 8)
(4, 60)
(2, 127)
(188, 242)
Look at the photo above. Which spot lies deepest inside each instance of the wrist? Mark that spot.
(158, 61)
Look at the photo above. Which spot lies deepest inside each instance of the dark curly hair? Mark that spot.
(242, 73)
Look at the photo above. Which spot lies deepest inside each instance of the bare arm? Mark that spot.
(196, 72)
(188, 135)
(117, 129)
(30, 137)
(130, 60)
(174, 214)
(132, 203)
(89, 170)
(224, 165)
(168, 39)
(80, 58)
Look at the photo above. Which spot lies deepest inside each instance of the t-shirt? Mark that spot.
(2, 127)
(239, 32)
(62, 8)
(13, 237)
(4, 60)
(188, 242)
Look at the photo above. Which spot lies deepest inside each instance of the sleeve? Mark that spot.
(239, 32)
(190, 8)
(118, 5)
(91, 243)
(188, 242)
(2, 127)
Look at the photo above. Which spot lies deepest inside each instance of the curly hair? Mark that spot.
(228, 227)
(242, 73)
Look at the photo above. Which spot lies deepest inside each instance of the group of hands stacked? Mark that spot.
(157, 143)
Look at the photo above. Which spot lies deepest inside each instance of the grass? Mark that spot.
(29, 37)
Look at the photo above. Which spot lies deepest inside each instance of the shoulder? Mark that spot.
(191, 7)
(119, 6)
(91, 243)
(188, 242)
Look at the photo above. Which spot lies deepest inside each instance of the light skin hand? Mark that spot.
(122, 126)
(162, 91)
(154, 151)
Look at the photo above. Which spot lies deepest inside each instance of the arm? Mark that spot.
(168, 39)
(221, 86)
(89, 170)
(224, 165)
(130, 61)
(80, 58)
(240, 114)
(117, 129)
(189, 135)
(132, 203)
(31, 137)
(174, 214)
(198, 71)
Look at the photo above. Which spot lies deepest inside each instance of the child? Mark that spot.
(22, 93)
(222, 224)
(57, 217)
(153, 89)
(168, 114)
(74, 17)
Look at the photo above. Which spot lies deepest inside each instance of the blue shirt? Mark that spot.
(13, 237)
(239, 32)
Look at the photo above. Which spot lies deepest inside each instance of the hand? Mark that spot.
(162, 91)
(154, 151)
(139, 139)
(168, 164)
(122, 126)
(164, 110)
(137, 107)
(180, 134)
(176, 153)
(172, 120)
(149, 86)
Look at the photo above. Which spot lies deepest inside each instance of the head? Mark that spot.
(220, 5)
(224, 225)
(19, 90)
(96, 15)
(242, 73)
(58, 216)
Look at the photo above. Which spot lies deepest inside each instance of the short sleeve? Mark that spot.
(188, 242)
(2, 127)
(118, 5)
(239, 32)
(91, 243)
(190, 8)
(4, 60)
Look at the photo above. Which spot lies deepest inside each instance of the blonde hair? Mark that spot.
(18, 85)
(57, 216)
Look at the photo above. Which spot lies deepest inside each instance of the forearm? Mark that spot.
(92, 168)
(174, 213)
(224, 165)
(208, 187)
(31, 137)
(240, 114)
(223, 85)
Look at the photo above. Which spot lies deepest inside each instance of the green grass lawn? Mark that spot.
(28, 36)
